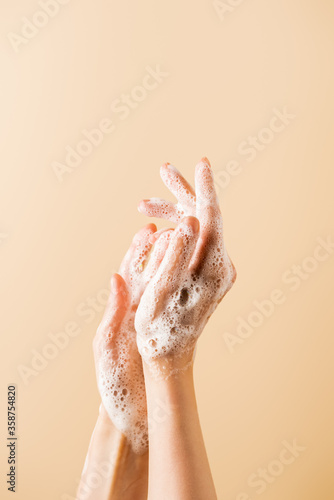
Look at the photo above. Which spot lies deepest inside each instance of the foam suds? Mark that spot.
(122, 388)
(174, 307)
(173, 325)
(119, 364)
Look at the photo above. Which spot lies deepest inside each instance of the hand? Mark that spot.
(193, 277)
(118, 364)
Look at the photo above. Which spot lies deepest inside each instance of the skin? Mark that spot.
(196, 254)
(112, 471)
(178, 464)
(118, 364)
(111, 443)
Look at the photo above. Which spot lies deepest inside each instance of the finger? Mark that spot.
(142, 249)
(208, 213)
(178, 255)
(155, 236)
(158, 253)
(205, 188)
(178, 185)
(135, 257)
(162, 209)
(115, 310)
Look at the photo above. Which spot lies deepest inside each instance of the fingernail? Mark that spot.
(205, 160)
(193, 223)
(155, 236)
(169, 168)
(151, 228)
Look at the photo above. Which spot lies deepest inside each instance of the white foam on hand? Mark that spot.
(194, 275)
(118, 363)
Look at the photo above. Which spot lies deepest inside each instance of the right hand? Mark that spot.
(194, 276)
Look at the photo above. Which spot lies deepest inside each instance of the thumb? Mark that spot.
(117, 305)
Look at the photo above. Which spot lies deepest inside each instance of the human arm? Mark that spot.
(193, 278)
(112, 470)
(179, 467)
(119, 441)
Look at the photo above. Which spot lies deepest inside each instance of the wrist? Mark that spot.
(162, 368)
(123, 473)
(114, 435)
(168, 395)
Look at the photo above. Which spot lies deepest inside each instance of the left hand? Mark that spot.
(118, 364)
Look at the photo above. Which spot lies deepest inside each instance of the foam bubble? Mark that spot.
(172, 326)
(119, 364)
(122, 388)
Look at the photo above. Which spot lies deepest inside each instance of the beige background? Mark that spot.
(61, 241)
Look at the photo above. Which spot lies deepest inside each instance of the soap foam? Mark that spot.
(119, 368)
(173, 326)
(122, 388)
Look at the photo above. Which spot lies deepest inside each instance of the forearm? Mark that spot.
(112, 471)
(178, 463)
